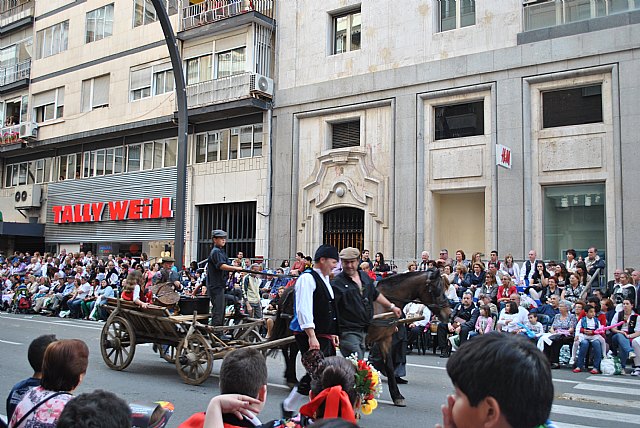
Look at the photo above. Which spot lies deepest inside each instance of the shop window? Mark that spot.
(456, 14)
(459, 120)
(574, 217)
(345, 134)
(572, 106)
(347, 32)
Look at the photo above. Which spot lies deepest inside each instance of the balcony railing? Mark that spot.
(15, 72)
(10, 134)
(215, 10)
(12, 10)
(220, 90)
(558, 12)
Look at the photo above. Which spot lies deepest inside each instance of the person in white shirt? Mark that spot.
(508, 321)
(424, 262)
(414, 310)
(528, 269)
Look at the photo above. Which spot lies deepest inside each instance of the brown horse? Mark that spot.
(422, 287)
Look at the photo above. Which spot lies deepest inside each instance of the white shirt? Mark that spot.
(412, 309)
(305, 286)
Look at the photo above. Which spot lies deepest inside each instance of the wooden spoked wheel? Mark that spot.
(117, 343)
(193, 360)
(168, 352)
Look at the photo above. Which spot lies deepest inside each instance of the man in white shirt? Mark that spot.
(528, 268)
(424, 263)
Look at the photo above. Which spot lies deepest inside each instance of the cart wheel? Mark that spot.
(118, 343)
(168, 352)
(193, 360)
(254, 338)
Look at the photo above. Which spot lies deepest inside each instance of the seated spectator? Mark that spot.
(552, 288)
(609, 308)
(509, 318)
(626, 338)
(63, 368)
(414, 310)
(476, 278)
(538, 281)
(35, 355)
(97, 409)
(366, 268)
(563, 330)
(550, 308)
(483, 399)
(511, 268)
(486, 300)
(532, 326)
(587, 337)
(460, 279)
(573, 291)
(450, 291)
(484, 323)
(489, 287)
(463, 321)
(505, 290)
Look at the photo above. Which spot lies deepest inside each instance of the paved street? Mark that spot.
(582, 400)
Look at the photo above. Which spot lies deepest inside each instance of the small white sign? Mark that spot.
(503, 156)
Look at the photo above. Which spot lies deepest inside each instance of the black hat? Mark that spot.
(326, 251)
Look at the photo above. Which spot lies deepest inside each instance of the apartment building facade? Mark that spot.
(391, 119)
(98, 171)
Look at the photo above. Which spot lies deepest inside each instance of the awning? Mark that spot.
(21, 229)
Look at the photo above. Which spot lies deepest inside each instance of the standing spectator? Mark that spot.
(251, 292)
(626, 338)
(63, 368)
(35, 355)
(528, 268)
(316, 319)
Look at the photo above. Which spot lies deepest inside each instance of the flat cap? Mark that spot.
(349, 253)
(218, 233)
(168, 259)
(327, 251)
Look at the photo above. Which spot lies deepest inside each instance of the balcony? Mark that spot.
(15, 76)
(209, 11)
(553, 13)
(15, 14)
(10, 135)
(222, 90)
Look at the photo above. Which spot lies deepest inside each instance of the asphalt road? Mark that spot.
(582, 400)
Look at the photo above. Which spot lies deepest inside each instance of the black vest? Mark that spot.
(325, 312)
(633, 319)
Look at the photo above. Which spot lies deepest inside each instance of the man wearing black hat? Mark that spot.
(315, 323)
(217, 268)
(355, 294)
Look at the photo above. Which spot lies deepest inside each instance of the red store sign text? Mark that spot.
(133, 209)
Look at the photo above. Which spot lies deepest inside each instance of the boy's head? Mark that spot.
(35, 354)
(591, 311)
(520, 397)
(533, 317)
(244, 371)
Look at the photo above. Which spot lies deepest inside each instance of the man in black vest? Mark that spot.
(315, 323)
(217, 273)
(528, 268)
(355, 294)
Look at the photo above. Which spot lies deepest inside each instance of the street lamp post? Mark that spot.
(183, 123)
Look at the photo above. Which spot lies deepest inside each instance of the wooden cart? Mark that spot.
(185, 340)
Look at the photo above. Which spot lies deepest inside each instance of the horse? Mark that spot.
(423, 287)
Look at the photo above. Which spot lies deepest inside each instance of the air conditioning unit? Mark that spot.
(28, 130)
(261, 84)
(27, 196)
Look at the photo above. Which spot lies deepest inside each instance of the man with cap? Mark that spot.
(168, 274)
(217, 268)
(355, 294)
(315, 322)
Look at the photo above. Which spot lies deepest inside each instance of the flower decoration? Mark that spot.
(367, 384)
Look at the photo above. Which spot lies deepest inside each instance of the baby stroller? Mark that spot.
(21, 301)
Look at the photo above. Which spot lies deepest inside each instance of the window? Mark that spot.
(170, 152)
(150, 80)
(231, 62)
(52, 40)
(32, 172)
(225, 144)
(144, 12)
(199, 69)
(95, 93)
(457, 14)
(147, 156)
(575, 106)
(574, 216)
(99, 23)
(345, 134)
(69, 166)
(238, 219)
(347, 32)
(133, 157)
(48, 105)
(118, 161)
(459, 120)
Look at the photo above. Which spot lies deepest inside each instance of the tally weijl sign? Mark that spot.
(132, 209)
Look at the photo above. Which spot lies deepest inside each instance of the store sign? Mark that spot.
(133, 209)
(503, 156)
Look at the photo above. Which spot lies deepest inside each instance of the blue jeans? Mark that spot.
(596, 353)
(620, 343)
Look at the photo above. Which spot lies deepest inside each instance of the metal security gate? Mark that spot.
(344, 227)
(237, 219)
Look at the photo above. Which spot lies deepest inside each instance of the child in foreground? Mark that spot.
(520, 397)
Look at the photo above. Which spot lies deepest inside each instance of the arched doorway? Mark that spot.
(344, 227)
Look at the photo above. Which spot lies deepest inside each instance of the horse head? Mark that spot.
(432, 294)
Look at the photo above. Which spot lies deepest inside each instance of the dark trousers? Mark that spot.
(327, 349)
(553, 351)
(216, 295)
(443, 333)
(413, 334)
